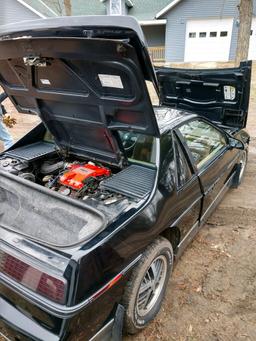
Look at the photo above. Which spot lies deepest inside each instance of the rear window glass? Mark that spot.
(139, 147)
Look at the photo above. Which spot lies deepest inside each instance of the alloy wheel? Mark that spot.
(151, 286)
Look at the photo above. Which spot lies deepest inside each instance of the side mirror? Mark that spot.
(234, 143)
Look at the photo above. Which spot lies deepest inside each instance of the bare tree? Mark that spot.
(245, 21)
(68, 7)
(57, 6)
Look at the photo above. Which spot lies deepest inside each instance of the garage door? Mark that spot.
(252, 48)
(208, 40)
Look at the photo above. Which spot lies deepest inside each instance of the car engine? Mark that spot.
(76, 179)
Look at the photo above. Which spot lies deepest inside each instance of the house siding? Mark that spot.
(155, 35)
(92, 7)
(12, 11)
(197, 9)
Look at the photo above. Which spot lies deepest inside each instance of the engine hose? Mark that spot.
(48, 168)
(28, 176)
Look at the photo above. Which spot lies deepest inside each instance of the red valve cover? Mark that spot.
(77, 174)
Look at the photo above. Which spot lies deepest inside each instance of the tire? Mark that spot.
(241, 166)
(141, 304)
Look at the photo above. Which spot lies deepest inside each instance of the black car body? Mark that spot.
(66, 254)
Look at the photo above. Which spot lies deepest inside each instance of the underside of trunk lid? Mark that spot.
(85, 78)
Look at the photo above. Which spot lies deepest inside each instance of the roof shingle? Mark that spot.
(88, 7)
(147, 9)
(142, 9)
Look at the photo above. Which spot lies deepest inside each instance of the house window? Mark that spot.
(251, 32)
(224, 33)
(202, 34)
(115, 7)
(213, 34)
(192, 34)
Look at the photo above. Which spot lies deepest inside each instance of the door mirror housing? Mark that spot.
(234, 143)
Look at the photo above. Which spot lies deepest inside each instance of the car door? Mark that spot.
(213, 160)
(220, 95)
(188, 190)
(181, 188)
(189, 195)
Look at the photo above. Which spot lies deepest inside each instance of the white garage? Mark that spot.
(252, 48)
(208, 40)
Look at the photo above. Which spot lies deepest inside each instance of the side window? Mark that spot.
(183, 169)
(203, 140)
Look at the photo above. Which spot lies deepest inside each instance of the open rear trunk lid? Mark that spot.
(221, 95)
(85, 78)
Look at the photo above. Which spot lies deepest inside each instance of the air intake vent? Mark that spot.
(134, 181)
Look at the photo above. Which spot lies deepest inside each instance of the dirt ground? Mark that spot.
(212, 293)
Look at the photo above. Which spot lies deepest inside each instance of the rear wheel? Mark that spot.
(146, 287)
(240, 169)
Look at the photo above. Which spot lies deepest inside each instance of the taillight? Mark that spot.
(30, 277)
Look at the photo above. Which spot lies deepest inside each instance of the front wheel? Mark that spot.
(146, 287)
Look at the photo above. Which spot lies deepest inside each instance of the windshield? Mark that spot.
(139, 147)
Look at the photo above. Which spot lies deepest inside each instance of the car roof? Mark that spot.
(168, 118)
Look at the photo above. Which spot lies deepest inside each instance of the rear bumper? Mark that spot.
(21, 318)
(26, 329)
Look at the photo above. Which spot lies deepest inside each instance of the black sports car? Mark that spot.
(99, 200)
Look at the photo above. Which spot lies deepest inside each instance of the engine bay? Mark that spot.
(93, 182)
(69, 176)
(42, 189)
